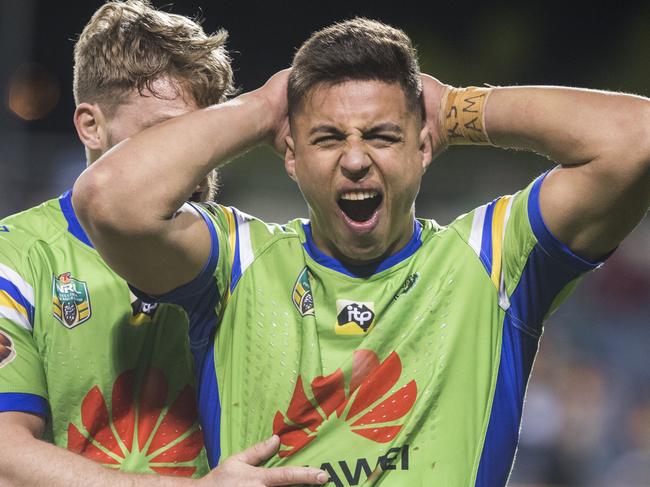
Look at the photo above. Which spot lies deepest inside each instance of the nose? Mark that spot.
(355, 161)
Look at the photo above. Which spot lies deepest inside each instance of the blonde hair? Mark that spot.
(127, 45)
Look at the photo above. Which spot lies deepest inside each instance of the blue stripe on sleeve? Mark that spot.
(187, 293)
(24, 403)
(210, 408)
(13, 291)
(541, 281)
(74, 227)
(517, 354)
(549, 243)
(203, 321)
(550, 267)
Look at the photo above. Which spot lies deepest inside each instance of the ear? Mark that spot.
(426, 148)
(290, 158)
(91, 127)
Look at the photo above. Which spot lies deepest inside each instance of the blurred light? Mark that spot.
(33, 92)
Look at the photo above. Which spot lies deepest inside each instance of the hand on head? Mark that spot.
(274, 92)
(433, 92)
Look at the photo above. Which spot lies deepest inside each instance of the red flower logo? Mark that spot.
(369, 382)
(141, 430)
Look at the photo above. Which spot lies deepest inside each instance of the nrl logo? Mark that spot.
(302, 296)
(70, 300)
(354, 318)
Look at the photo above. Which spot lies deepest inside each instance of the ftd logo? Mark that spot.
(354, 318)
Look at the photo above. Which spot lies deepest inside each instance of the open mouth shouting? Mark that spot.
(360, 208)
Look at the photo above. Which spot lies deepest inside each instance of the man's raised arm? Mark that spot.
(601, 189)
(130, 200)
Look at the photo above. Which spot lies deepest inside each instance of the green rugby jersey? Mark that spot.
(112, 374)
(408, 372)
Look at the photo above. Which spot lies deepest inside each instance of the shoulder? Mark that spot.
(242, 229)
(42, 223)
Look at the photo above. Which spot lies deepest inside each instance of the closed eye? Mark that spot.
(383, 139)
(326, 139)
(386, 137)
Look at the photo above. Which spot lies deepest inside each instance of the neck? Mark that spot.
(363, 258)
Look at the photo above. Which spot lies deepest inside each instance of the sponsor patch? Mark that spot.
(70, 300)
(368, 398)
(141, 312)
(354, 317)
(150, 432)
(301, 296)
(7, 349)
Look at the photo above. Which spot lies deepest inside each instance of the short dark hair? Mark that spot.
(357, 49)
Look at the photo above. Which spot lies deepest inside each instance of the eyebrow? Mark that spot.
(382, 127)
(328, 129)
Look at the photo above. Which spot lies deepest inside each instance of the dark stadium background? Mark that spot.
(587, 419)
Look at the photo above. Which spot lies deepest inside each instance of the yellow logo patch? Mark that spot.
(354, 317)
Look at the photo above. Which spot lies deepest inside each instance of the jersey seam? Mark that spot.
(522, 326)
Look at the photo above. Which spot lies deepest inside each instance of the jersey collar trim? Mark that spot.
(363, 271)
(74, 227)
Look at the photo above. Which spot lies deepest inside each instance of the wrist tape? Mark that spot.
(462, 118)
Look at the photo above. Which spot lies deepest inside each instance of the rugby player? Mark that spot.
(83, 362)
(378, 345)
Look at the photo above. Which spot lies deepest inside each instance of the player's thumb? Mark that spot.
(261, 451)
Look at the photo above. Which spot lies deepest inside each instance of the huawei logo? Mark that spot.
(140, 431)
(362, 403)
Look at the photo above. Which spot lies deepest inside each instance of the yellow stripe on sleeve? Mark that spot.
(9, 302)
(498, 229)
(232, 242)
(232, 232)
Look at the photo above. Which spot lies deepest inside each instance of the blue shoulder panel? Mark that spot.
(550, 267)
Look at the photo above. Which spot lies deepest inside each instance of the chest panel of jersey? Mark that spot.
(412, 393)
(118, 371)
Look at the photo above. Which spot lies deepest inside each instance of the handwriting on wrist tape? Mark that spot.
(463, 118)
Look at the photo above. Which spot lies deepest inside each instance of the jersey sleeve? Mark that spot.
(203, 297)
(531, 270)
(22, 377)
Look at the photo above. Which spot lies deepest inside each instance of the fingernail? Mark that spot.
(322, 477)
(272, 439)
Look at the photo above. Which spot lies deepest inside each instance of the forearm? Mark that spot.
(601, 140)
(163, 164)
(571, 126)
(28, 461)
